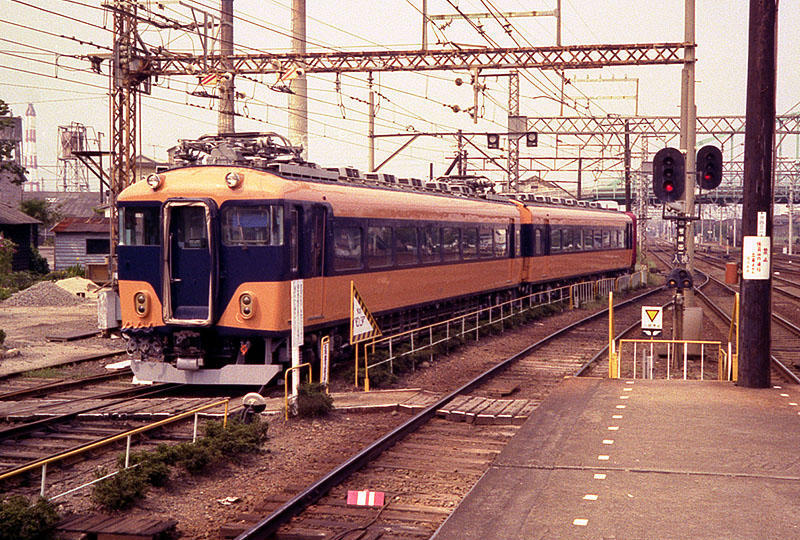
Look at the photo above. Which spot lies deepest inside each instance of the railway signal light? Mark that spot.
(493, 141)
(531, 139)
(709, 167)
(680, 278)
(669, 176)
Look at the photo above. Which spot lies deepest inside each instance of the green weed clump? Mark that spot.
(313, 401)
(154, 468)
(22, 520)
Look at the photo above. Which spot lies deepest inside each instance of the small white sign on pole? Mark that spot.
(761, 228)
(325, 359)
(297, 332)
(652, 318)
(755, 257)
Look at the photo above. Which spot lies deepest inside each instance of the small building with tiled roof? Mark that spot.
(81, 241)
(21, 229)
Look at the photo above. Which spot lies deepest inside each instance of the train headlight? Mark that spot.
(233, 180)
(141, 303)
(155, 181)
(246, 305)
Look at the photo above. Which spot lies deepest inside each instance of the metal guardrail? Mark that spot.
(428, 337)
(671, 354)
(43, 463)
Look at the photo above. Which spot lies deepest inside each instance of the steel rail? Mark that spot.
(269, 525)
(28, 427)
(59, 386)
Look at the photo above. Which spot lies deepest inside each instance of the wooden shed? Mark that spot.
(22, 229)
(81, 241)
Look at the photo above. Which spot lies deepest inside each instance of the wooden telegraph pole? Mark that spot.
(756, 308)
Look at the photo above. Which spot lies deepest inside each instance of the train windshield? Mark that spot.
(260, 225)
(139, 226)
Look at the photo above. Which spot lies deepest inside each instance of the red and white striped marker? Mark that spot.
(365, 498)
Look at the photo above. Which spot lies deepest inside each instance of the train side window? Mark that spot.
(501, 242)
(379, 247)
(620, 238)
(566, 239)
(537, 243)
(139, 226)
(430, 244)
(294, 244)
(485, 242)
(260, 225)
(518, 241)
(555, 240)
(598, 239)
(578, 239)
(469, 248)
(347, 248)
(451, 243)
(606, 238)
(317, 240)
(405, 245)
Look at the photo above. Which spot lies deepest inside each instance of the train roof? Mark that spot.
(347, 198)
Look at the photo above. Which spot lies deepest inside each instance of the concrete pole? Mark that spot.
(424, 25)
(690, 130)
(298, 99)
(371, 124)
(225, 119)
(756, 304)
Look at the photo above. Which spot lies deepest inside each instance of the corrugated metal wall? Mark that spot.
(70, 249)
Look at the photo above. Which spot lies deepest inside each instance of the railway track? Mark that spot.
(70, 420)
(428, 464)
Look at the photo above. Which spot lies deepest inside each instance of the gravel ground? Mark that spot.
(44, 293)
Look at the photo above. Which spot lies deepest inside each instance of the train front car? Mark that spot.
(189, 239)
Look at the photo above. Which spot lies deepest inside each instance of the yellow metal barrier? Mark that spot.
(734, 330)
(127, 434)
(613, 366)
(286, 383)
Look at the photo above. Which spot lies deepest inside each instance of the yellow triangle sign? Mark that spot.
(362, 324)
(652, 313)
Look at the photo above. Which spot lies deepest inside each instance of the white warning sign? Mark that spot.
(362, 325)
(652, 317)
(755, 257)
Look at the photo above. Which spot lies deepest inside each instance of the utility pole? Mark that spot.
(225, 121)
(515, 125)
(298, 99)
(756, 305)
(627, 165)
(371, 129)
(689, 129)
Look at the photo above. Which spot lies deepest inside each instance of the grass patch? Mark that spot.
(218, 445)
(45, 373)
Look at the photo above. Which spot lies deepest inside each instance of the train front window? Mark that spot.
(139, 226)
(260, 225)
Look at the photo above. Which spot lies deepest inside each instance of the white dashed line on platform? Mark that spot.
(603, 457)
(620, 406)
(617, 416)
(590, 497)
(608, 441)
(599, 476)
(613, 428)
(580, 522)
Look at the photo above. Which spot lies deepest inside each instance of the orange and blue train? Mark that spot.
(208, 250)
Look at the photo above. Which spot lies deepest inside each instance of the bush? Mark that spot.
(153, 468)
(21, 520)
(312, 400)
(122, 490)
(39, 264)
(2, 336)
(7, 250)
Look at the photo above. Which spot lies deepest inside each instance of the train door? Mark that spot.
(306, 255)
(189, 262)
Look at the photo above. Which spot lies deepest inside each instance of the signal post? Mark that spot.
(669, 185)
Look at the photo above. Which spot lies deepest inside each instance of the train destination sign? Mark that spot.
(362, 324)
(652, 320)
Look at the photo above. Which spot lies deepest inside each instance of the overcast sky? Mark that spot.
(36, 66)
